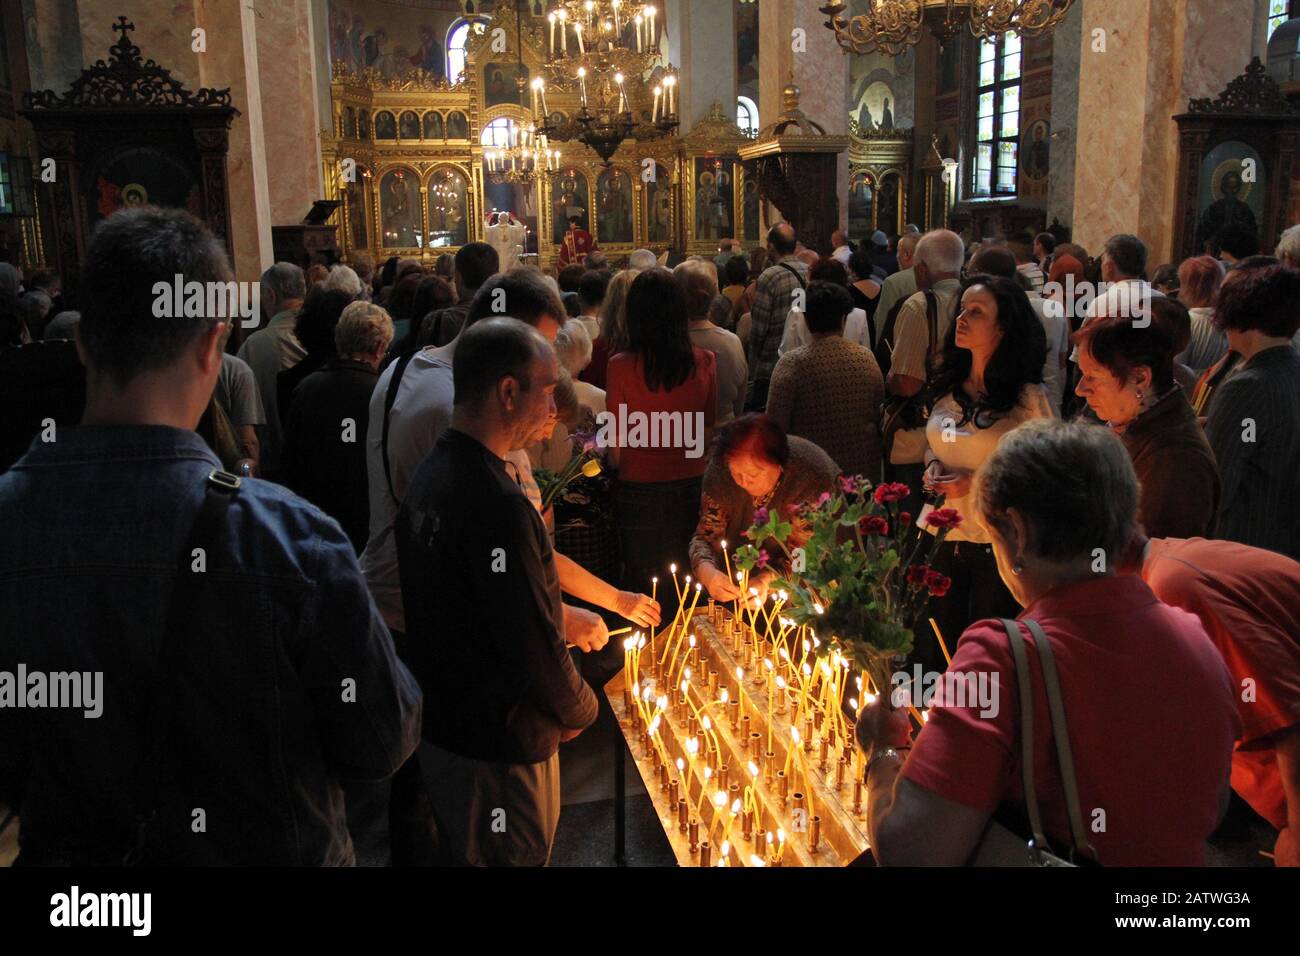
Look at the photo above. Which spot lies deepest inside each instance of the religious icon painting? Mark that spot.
(614, 206)
(714, 197)
(385, 125)
(363, 125)
(409, 125)
(433, 128)
(398, 209)
(448, 216)
(457, 125)
(1035, 153)
(501, 84)
(570, 197)
(659, 207)
(1231, 191)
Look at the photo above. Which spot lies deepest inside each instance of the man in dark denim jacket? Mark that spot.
(282, 680)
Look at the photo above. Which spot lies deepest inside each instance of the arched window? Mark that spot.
(457, 37)
(747, 115)
(997, 137)
(1278, 14)
(498, 132)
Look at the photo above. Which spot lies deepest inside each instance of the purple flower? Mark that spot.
(762, 559)
(760, 516)
(849, 485)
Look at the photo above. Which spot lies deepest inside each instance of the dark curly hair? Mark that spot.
(1266, 297)
(1017, 362)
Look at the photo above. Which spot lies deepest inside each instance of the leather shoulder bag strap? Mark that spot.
(794, 272)
(205, 533)
(1061, 736)
(1025, 686)
(389, 398)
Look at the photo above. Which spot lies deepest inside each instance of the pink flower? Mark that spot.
(825, 497)
(763, 559)
(848, 485)
(891, 491)
(760, 516)
(942, 518)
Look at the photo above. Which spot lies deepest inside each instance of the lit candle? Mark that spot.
(550, 18)
(615, 5)
(582, 80)
(651, 38)
(577, 32)
(622, 98)
(637, 23)
(654, 119)
(670, 82)
(564, 30)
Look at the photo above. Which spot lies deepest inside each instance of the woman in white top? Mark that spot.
(1199, 279)
(988, 381)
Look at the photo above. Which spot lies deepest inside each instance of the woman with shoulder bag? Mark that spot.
(1133, 711)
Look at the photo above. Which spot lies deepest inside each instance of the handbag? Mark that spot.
(903, 418)
(1000, 845)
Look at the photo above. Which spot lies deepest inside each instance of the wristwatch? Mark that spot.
(887, 752)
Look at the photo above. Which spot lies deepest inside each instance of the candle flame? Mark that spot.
(691, 640)
(858, 682)
(753, 769)
(770, 838)
(681, 764)
(780, 682)
(735, 809)
(706, 723)
(871, 699)
(808, 670)
(725, 695)
(686, 672)
(719, 799)
(767, 663)
(794, 732)
(724, 540)
(725, 848)
(780, 835)
(755, 859)
(740, 673)
(853, 703)
(672, 568)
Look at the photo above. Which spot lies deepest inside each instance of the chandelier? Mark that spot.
(604, 49)
(891, 26)
(525, 154)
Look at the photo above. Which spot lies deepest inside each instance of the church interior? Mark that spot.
(694, 181)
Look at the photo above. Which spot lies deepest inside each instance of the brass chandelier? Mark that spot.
(604, 49)
(522, 158)
(891, 26)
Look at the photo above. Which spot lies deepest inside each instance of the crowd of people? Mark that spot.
(329, 579)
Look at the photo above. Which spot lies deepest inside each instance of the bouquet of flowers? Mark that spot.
(585, 461)
(863, 575)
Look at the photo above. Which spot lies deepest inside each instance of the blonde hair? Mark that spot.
(573, 346)
(364, 329)
(613, 312)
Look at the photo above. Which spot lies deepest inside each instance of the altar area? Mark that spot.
(411, 158)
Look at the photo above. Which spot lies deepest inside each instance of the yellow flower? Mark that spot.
(592, 468)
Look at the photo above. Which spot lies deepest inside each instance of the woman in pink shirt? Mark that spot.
(661, 401)
(1149, 703)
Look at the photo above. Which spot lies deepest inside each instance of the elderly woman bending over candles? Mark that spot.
(1149, 703)
(753, 465)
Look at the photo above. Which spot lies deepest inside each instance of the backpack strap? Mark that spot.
(390, 397)
(219, 488)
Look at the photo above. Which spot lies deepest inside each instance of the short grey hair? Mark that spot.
(908, 243)
(364, 329)
(284, 280)
(573, 346)
(344, 279)
(942, 251)
(642, 259)
(698, 280)
(1288, 247)
(1094, 490)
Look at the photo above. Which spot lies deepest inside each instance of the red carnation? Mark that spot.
(916, 574)
(874, 524)
(942, 518)
(937, 584)
(891, 491)
(905, 518)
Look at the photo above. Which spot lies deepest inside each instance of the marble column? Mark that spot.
(701, 40)
(820, 68)
(232, 60)
(290, 113)
(1158, 55)
(1065, 116)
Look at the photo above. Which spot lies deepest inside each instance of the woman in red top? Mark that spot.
(1148, 700)
(661, 401)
